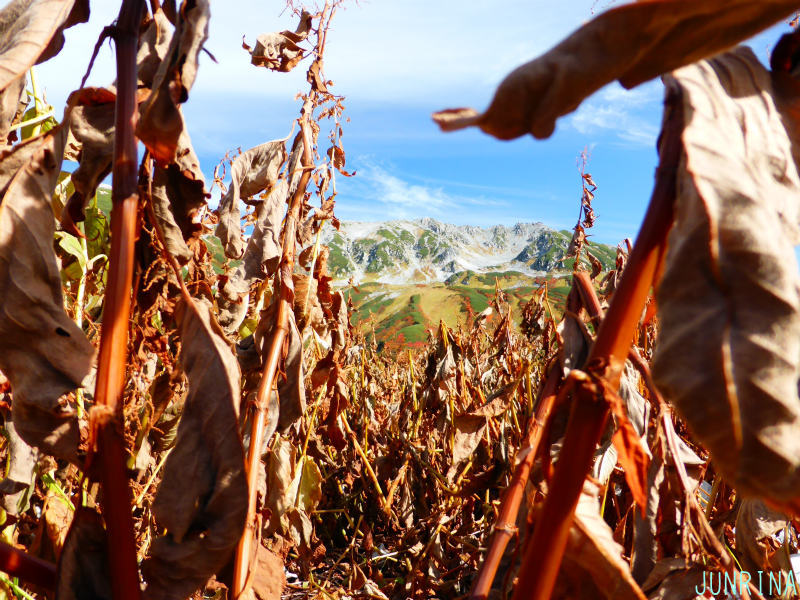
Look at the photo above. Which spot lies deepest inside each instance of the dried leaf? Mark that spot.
(153, 47)
(57, 518)
(728, 355)
(645, 524)
(291, 388)
(21, 464)
(31, 32)
(307, 308)
(91, 144)
(597, 266)
(260, 258)
(42, 352)
(202, 499)
(161, 124)
(631, 43)
(591, 551)
(178, 194)
(268, 576)
(279, 51)
(83, 570)
(280, 467)
(756, 523)
(10, 100)
(631, 452)
(674, 579)
(574, 346)
(251, 173)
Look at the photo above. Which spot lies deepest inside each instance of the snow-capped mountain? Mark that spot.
(426, 250)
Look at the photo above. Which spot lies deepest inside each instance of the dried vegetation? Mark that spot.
(181, 424)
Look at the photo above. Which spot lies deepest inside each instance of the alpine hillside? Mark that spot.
(409, 275)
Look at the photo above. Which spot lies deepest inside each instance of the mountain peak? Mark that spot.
(426, 250)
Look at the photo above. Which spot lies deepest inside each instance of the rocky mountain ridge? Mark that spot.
(426, 250)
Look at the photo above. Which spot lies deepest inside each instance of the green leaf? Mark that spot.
(103, 199)
(44, 126)
(72, 245)
(55, 487)
(96, 227)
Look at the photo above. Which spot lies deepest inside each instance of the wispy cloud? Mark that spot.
(379, 193)
(629, 116)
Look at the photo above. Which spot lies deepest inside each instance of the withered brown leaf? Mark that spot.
(202, 499)
(592, 552)
(728, 355)
(31, 32)
(291, 386)
(756, 523)
(279, 51)
(161, 124)
(252, 172)
(178, 194)
(83, 569)
(42, 351)
(631, 43)
(90, 143)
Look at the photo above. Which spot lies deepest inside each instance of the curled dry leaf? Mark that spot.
(31, 32)
(90, 144)
(178, 194)
(10, 102)
(593, 554)
(291, 386)
(268, 576)
(83, 570)
(260, 257)
(279, 51)
(631, 43)
(251, 173)
(294, 491)
(42, 352)
(153, 47)
(675, 579)
(308, 311)
(161, 124)
(20, 476)
(202, 499)
(57, 516)
(470, 429)
(756, 523)
(728, 354)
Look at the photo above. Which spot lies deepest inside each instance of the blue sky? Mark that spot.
(396, 62)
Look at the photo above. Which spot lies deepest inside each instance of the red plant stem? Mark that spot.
(505, 526)
(30, 569)
(117, 498)
(545, 550)
(589, 299)
(273, 357)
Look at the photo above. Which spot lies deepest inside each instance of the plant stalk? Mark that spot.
(30, 569)
(108, 421)
(539, 569)
(505, 526)
(283, 283)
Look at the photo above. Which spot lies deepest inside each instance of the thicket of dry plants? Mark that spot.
(175, 427)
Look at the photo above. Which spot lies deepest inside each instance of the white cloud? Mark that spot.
(401, 199)
(377, 193)
(414, 51)
(632, 116)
